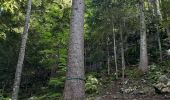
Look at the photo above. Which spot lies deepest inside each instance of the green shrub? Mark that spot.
(91, 84)
(57, 82)
(134, 73)
(3, 98)
(156, 71)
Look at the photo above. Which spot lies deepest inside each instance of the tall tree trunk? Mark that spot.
(157, 9)
(75, 85)
(143, 65)
(122, 57)
(122, 51)
(159, 43)
(85, 55)
(21, 53)
(159, 19)
(115, 53)
(151, 2)
(167, 27)
(108, 57)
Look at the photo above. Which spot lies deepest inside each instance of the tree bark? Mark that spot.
(158, 19)
(159, 43)
(108, 57)
(152, 7)
(158, 16)
(158, 10)
(143, 65)
(115, 53)
(21, 53)
(75, 85)
(122, 54)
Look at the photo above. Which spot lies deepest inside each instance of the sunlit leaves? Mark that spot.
(37, 2)
(9, 5)
(2, 35)
(55, 10)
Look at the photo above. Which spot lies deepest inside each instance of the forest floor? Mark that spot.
(114, 92)
(133, 89)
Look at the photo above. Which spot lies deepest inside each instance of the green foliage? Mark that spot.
(134, 73)
(9, 5)
(2, 36)
(37, 2)
(154, 73)
(2, 98)
(47, 46)
(157, 70)
(91, 85)
(57, 82)
(49, 96)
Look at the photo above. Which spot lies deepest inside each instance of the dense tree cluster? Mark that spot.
(46, 43)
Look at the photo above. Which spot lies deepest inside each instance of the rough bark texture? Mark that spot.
(74, 85)
(21, 54)
(143, 65)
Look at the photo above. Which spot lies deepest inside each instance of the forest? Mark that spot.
(84, 49)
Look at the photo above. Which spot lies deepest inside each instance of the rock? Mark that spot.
(129, 89)
(144, 90)
(160, 86)
(163, 85)
(149, 90)
(32, 98)
(166, 90)
(168, 84)
(143, 80)
(163, 79)
(97, 98)
(107, 92)
(141, 92)
(168, 52)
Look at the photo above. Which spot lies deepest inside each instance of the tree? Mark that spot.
(159, 19)
(122, 53)
(108, 57)
(143, 65)
(75, 85)
(21, 53)
(115, 52)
